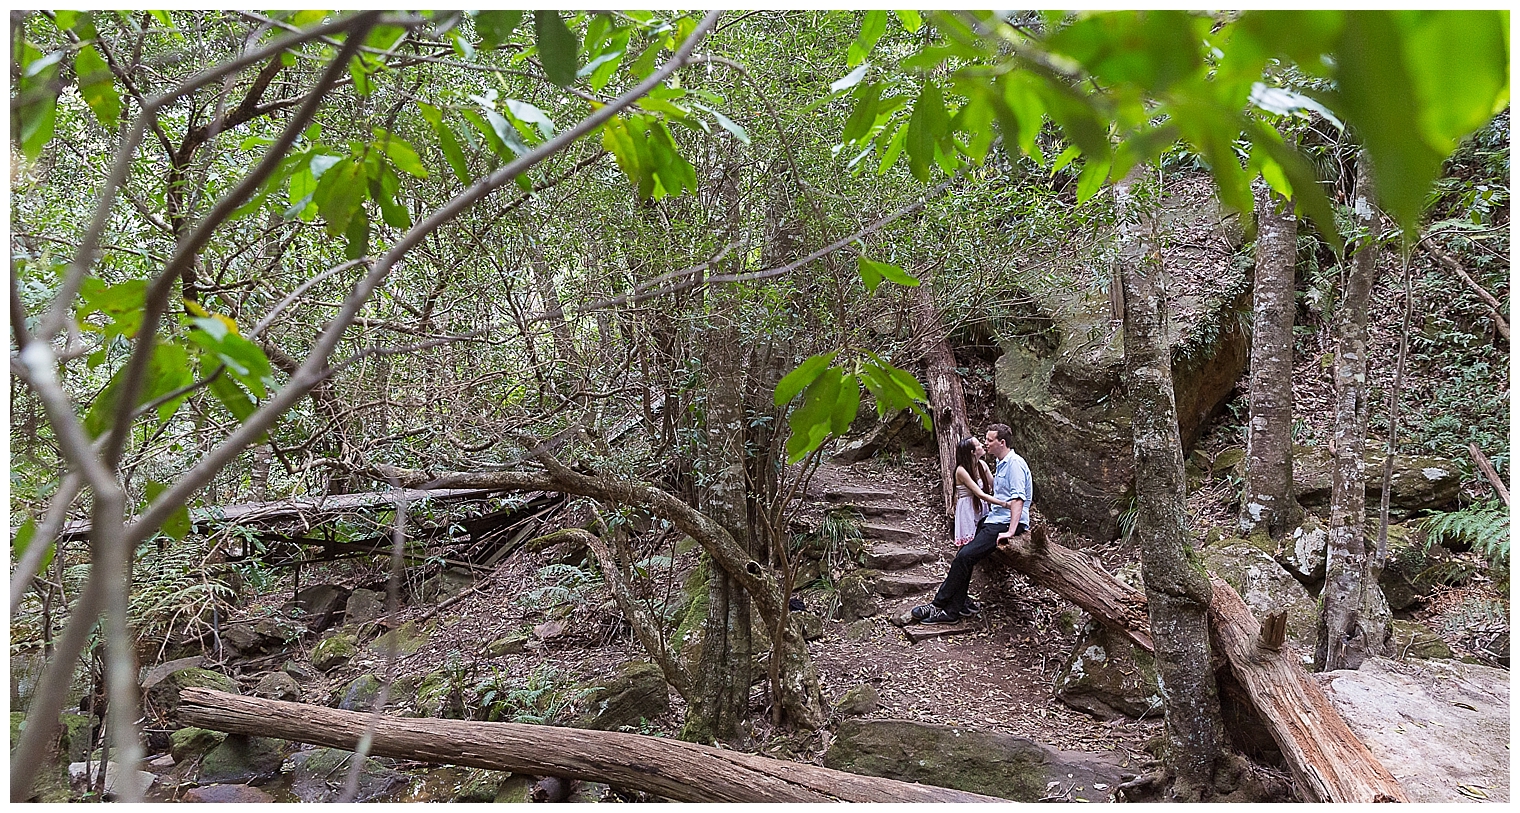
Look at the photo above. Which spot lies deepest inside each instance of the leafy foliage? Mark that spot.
(1483, 526)
(544, 698)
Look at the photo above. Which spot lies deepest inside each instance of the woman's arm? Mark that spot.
(964, 478)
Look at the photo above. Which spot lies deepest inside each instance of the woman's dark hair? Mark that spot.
(965, 458)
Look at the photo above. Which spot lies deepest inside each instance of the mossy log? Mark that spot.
(676, 770)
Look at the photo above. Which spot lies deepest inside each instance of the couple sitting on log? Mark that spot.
(982, 520)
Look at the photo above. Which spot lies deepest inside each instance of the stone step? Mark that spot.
(890, 533)
(857, 494)
(897, 585)
(869, 510)
(896, 557)
(923, 632)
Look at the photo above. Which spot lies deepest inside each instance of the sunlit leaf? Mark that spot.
(872, 26)
(97, 85)
(911, 20)
(798, 379)
(557, 48)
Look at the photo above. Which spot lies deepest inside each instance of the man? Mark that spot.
(1012, 492)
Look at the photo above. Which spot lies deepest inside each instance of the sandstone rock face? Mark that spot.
(82, 774)
(364, 605)
(1420, 483)
(1109, 677)
(978, 761)
(1303, 551)
(1059, 381)
(1412, 640)
(637, 692)
(1440, 727)
(1266, 588)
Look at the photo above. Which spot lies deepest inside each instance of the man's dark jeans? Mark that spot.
(952, 593)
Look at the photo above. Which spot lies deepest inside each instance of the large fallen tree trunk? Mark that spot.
(1328, 762)
(677, 770)
(1081, 580)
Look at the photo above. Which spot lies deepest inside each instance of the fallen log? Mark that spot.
(1081, 580)
(676, 770)
(1327, 761)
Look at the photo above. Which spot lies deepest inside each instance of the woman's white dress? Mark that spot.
(966, 515)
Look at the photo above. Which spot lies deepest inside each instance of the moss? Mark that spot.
(189, 743)
(695, 613)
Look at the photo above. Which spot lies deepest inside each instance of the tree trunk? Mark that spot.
(1354, 615)
(1081, 580)
(947, 400)
(1327, 761)
(1268, 498)
(677, 770)
(1175, 585)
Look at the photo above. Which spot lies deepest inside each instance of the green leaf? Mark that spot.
(447, 143)
(730, 125)
(1065, 158)
(850, 79)
(1306, 191)
(846, 407)
(401, 154)
(872, 273)
(911, 20)
(527, 112)
(1094, 173)
(863, 118)
(37, 99)
(871, 28)
(1459, 61)
(495, 26)
(926, 127)
(97, 85)
(168, 370)
(798, 379)
(306, 17)
(812, 423)
(557, 48)
(384, 190)
(23, 540)
(178, 523)
(894, 137)
(232, 396)
(245, 361)
(122, 303)
(357, 235)
(338, 195)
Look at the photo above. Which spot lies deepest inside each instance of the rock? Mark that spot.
(978, 761)
(278, 686)
(409, 638)
(1303, 551)
(162, 762)
(510, 644)
(549, 630)
(360, 693)
(277, 632)
(188, 743)
(515, 789)
(303, 673)
(18, 724)
(480, 785)
(1267, 588)
(364, 605)
(78, 735)
(590, 792)
(1436, 725)
(116, 777)
(1411, 640)
(1107, 676)
(319, 775)
(636, 693)
(322, 605)
(444, 584)
(903, 430)
(240, 759)
(242, 639)
(26, 671)
(897, 585)
(882, 556)
(1059, 380)
(852, 495)
(812, 626)
(227, 794)
(859, 630)
(858, 701)
(856, 600)
(1420, 483)
(164, 695)
(883, 532)
(334, 651)
(1407, 560)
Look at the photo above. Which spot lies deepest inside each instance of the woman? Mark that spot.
(973, 481)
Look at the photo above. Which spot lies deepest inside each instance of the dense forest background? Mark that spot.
(685, 269)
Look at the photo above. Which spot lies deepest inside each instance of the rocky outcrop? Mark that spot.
(321, 605)
(334, 651)
(1266, 588)
(1420, 483)
(860, 700)
(979, 761)
(1107, 676)
(1441, 727)
(241, 759)
(1059, 378)
(636, 694)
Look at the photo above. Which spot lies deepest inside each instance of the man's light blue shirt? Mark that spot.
(1011, 480)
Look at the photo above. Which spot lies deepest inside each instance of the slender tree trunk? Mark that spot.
(1268, 499)
(1177, 590)
(947, 399)
(1354, 615)
(723, 678)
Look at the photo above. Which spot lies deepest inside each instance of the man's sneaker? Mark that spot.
(973, 607)
(939, 616)
(922, 612)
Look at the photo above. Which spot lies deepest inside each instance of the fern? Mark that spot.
(568, 584)
(1484, 526)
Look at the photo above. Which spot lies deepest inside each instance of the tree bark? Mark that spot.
(1175, 586)
(1081, 580)
(677, 770)
(1354, 616)
(947, 399)
(1328, 762)
(1494, 305)
(1481, 460)
(1268, 498)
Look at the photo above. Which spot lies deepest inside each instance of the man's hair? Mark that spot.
(1003, 433)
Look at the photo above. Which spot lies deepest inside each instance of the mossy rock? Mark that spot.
(1266, 587)
(18, 724)
(480, 785)
(409, 638)
(1412, 640)
(164, 695)
(516, 789)
(319, 775)
(1107, 676)
(240, 759)
(687, 639)
(513, 643)
(334, 651)
(188, 743)
(860, 630)
(856, 597)
(637, 692)
(859, 700)
(360, 693)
